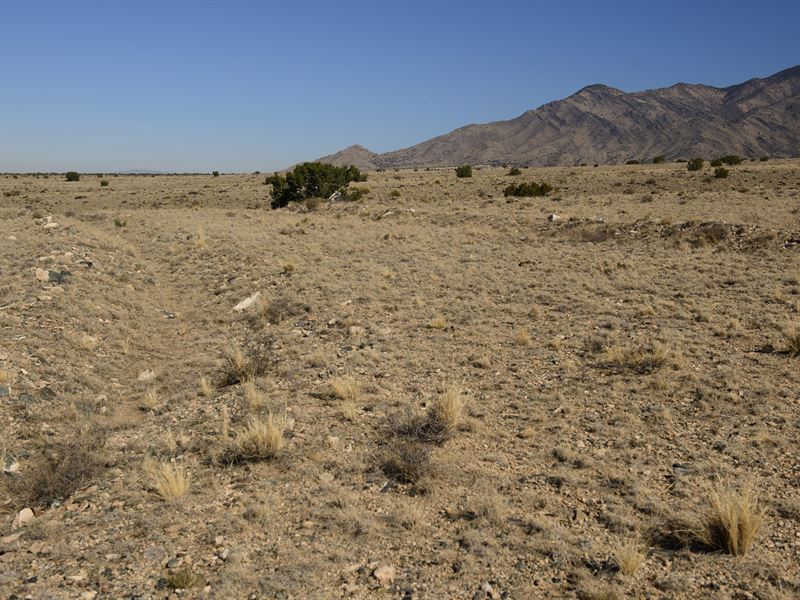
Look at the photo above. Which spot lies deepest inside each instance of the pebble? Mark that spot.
(553, 217)
(42, 274)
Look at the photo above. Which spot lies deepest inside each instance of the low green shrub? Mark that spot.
(73, 176)
(528, 190)
(695, 164)
(464, 171)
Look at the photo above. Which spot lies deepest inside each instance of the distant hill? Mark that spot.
(601, 124)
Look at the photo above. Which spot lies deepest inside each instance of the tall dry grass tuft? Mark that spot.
(447, 409)
(732, 520)
(261, 439)
(170, 481)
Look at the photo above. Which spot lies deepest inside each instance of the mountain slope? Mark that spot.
(601, 124)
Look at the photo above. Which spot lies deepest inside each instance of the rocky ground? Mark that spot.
(619, 347)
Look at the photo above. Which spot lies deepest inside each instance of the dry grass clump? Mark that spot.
(260, 439)
(61, 469)
(628, 558)
(239, 368)
(348, 390)
(206, 389)
(3, 376)
(200, 238)
(791, 335)
(170, 481)
(732, 520)
(438, 322)
(522, 338)
(279, 308)
(254, 397)
(445, 413)
(487, 505)
(643, 359)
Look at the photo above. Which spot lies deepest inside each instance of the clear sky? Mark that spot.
(244, 86)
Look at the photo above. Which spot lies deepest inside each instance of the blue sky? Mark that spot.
(244, 86)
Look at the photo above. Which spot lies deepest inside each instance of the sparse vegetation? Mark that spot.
(103, 183)
(721, 173)
(514, 172)
(73, 176)
(215, 174)
(657, 160)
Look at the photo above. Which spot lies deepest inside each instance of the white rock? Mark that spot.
(147, 375)
(51, 225)
(384, 574)
(247, 302)
(23, 517)
(552, 217)
(42, 275)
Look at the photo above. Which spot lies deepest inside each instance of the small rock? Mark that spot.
(552, 217)
(23, 517)
(3, 391)
(89, 595)
(147, 375)
(247, 302)
(42, 274)
(384, 574)
(51, 225)
(489, 591)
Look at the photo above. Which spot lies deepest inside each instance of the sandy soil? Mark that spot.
(616, 365)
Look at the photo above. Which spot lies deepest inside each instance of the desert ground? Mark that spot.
(439, 392)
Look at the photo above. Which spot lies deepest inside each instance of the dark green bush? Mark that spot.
(310, 180)
(731, 159)
(73, 176)
(215, 173)
(103, 183)
(764, 158)
(717, 162)
(657, 160)
(464, 171)
(721, 172)
(695, 164)
(528, 190)
(632, 162)
(514, 171)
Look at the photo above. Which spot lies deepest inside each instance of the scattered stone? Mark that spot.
(51, 225)
(42, 274)
(23, 517)
(247, 302)
(487, 591)
(147, 375)
(553, 217)
(384, 574)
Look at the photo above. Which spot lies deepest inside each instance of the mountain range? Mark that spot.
(601, 124)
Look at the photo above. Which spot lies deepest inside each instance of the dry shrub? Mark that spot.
(281, 307)
(522, 338)
(182, 579)
(240, 367)
(206, 389)
(346, 389)
(406, 461)
(170, 481)
(62, 468)
(732, 520)
(628, 558)
(791, 335)
(261, 439)
(643, 359)
(438, 322)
